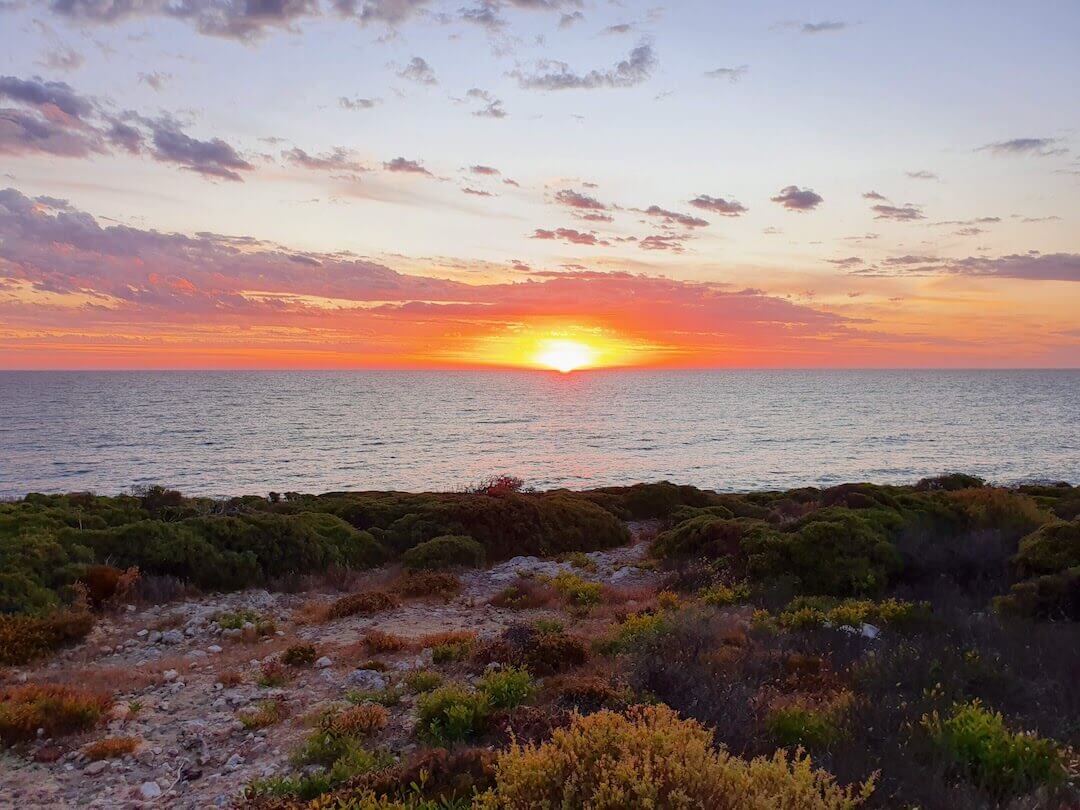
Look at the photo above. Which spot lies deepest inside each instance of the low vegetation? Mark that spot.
(56, 710)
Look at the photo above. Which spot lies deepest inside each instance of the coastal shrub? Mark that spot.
(817, 611)
(651, 758)
(507, 688)
(449, 647)
(644, 501)
(364, 603)
(422, 680)
(35, 564)
(447, 551)
(272, 674)
(451, 714)
(236, 619)
(540, 652)
(111, 748)
(811, 723)
(837, 552)
(379, 641)
(587, 693)
(299, 655)
(24, 638)
(233, 551)
(362, 720)
(1053, 548)
(949, 482)
(634, 629)
(498, 485)
(58, 709)
(722, 594)
(506, 525)
(431, 779)
(265, 713)
(389, 696)
(704, 535)
(524, 594)
(1052, 596)
(577, 591)
(1000, 761)
(440, 584)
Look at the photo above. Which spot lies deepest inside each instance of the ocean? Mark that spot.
(229, 433)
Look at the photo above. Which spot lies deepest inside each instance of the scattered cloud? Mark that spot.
(823, 27)
(568, 20)
(674, 217)
(575, 199)
(210, 158)
(569, 235)
(718, 205)
(794, 198)
(849, 261)
(337, 160)
(62, 58)
(155, 80)
(1041, 147)
(899, 213)
(419, 71)
(357, 103)
(732, 74)
(400, 164)
(492, 107)
(873, 195)
(922, 175)
(489, 171)
(477, 192)
(1032, 266)
(553, 75)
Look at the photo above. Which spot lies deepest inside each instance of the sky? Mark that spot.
(538, 183)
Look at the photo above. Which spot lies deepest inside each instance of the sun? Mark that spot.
(564, 355)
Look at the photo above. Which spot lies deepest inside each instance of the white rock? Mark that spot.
(143, 633)
(234, 762)
(869, 631)
(172, 637)
(94, 768)
(149, 791)
(170, 675)
(155, 636)
(213, 648)
(323, 662)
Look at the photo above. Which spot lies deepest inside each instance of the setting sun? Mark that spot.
(564, 355)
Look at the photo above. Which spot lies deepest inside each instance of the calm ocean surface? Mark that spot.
(224, 433)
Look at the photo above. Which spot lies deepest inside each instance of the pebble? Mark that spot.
(170, 675)
(94, 768)
(213, 648)
(366, 679)
(149, 790)
(323, 662)
(172, 637)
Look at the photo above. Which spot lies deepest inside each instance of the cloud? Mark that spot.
(1041, 147)
(568, 20)
(41, 94)
(662, 242)
(419, 71)
(902, 213)
(718, 205)
(823, 27)
(1032, 266)
(400, 164)
(485, 14)
(732, 74)
(575, 199)
(212, 158)
(347, 103)
(922, 175)
(62, 58)
(489, 171)
(569, 235)
(552, 75)
(674, 217)
(478, 192)
(337, 160)
(155, 80)
(619, 28)
(849, 261)
(492, 107)
(26, 133)
(873, 195)
(794, 198)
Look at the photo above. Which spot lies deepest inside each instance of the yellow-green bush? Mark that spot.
(507, 688)
(447, 551)
(650, 758)
(577, 591)
(452, 713)
(1002, 762)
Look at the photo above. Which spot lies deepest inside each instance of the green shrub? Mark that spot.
(721, 594)
(423, 680)
(507, 688)
(644, 501)
(452, 713)
(1053, 548)
(1053, 596)
(577, 591)
(1002, 762)
(815, 611)
(634, 629)
(447, 551)
(390, 696)
(799, 723)
(702, 535)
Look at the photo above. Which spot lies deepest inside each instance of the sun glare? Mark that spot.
(564, 355)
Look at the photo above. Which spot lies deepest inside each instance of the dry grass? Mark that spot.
(420, 584)
(377, 641)
(365, 603)
(360, 721)
(55, 708)
(24, 638)
(233, 677)
(111, 748)
(266, 713)
(526, 593)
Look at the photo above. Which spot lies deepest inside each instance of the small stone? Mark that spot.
(149, 791)
(155, 636)
(367, 679)
(213, 648)
(869, 631)
(323, 662)
(94, 768)
(234, 762)
(170, 675)
(172, 637)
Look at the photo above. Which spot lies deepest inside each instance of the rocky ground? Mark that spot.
(172, 668)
